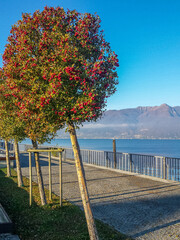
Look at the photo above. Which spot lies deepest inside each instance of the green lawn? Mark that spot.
(47, 222)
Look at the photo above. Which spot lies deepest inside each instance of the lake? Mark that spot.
(168, 148)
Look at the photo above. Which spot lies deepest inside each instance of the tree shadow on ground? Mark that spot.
(159, 227)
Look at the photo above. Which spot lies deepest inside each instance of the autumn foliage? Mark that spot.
(58, 68)
(10, 127)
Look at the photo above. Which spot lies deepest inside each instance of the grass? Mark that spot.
(49, 222)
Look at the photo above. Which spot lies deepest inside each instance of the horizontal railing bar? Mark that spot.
(46, 150)
(172, 158)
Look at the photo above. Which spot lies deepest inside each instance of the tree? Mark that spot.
(10, 128)
(34, 123)
(60, 68)
(4, 133)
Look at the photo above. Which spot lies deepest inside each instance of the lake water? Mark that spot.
(168, 148)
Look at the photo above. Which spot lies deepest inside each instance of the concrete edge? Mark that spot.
(135, 174)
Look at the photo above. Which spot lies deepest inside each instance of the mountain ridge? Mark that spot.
(149, 122)
(142, 122)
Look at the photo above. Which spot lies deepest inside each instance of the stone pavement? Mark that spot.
(139, 207)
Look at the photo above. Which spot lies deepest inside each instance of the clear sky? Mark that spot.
(144, 33)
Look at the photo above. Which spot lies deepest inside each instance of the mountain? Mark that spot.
(142, 122)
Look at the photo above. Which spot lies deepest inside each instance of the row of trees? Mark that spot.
(57, 72)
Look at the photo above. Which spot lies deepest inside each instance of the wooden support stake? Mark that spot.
(30, 180)
(50, 179)
(60, 177)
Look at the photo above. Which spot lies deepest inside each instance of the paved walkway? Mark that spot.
(8, 236)
(139, 207)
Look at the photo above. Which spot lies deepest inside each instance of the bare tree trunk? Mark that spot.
(82, 184)
(18, 166)
(39, 175)
(7, 159)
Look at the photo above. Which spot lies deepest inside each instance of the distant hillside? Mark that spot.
(141, 122)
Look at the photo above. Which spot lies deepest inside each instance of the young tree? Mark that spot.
(4, 133)
(33, 125)
(10, 128)
(60, 68)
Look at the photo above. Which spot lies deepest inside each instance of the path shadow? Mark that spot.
(141, 191)
(150, 230)
(137, 217)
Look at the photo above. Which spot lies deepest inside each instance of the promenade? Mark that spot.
(139, 207)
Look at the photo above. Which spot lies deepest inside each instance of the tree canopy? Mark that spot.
(59, 69)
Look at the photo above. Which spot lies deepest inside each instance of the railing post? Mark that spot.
(164, 167)
(107, 159)
(130, 158)
(156, 166)
(114, 152)
(167, 171)
(64, 154)
(124, 161)
(88, 156)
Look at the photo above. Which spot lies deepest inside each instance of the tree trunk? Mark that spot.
(7, 159)
(82, 184)
(39, 175)
(18, 166)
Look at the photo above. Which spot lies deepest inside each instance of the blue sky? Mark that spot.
(144, 34)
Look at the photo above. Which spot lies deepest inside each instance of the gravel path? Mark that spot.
(139, 207)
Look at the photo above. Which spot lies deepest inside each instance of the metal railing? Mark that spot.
(154, 166)
(10, 145)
